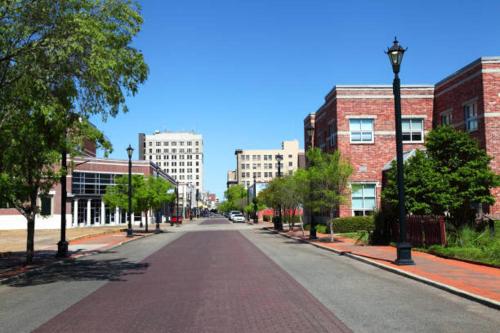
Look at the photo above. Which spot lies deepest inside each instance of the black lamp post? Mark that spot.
(312, 224)
(130, 151)
(177, 205)
(395, 53)
(279, 224)
(62, 245)
(255, 217)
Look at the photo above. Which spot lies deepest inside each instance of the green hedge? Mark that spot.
(348, 224)
(353, 224)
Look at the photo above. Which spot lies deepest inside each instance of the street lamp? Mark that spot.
(279, 224)
(130, 151)
(255, 217)
(62, 245)
(395, 53)
(312, 229)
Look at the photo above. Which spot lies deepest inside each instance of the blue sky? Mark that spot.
(245, 73)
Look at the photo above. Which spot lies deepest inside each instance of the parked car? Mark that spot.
(232, 213)
(238, 218)
(175, 219)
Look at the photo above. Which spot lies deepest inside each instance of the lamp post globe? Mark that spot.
(395, 54)
(130, 151)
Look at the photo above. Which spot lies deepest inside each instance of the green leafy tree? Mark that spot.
(59, 58)
(328, 176)
(148, 193)
(157, 194)
(452, 176)
(236, 198)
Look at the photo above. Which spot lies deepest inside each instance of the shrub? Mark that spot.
(322, 229)
(266, 218)
(294, 219)
(381, 234)
(353, 224)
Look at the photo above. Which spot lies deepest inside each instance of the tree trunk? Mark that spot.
(302, 225)
(146, 221)
(331, 227)
(30, 239)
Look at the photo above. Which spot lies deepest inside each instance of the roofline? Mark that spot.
(375, 87)
(481, 60)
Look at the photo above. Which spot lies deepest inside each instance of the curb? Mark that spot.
(94, 235)
(77, 256)
(459, 292)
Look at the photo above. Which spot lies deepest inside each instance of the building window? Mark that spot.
(413, 130)
(290, 164)
(46, 205)
(361, 130)
(446, 118)
(363, 199)
(470, 114)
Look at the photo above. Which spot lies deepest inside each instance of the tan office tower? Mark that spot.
(263, 163)
(179, 154)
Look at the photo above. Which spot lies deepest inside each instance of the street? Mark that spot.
(215, 276)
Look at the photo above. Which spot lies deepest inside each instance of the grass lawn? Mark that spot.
(360, 237)
(473, 246)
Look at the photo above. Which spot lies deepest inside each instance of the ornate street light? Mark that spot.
(255, 217)
(62, 245)
(395, 53)
(130, 151)
(312, 229)
(279, 224)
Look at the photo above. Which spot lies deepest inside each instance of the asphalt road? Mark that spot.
(220, 277)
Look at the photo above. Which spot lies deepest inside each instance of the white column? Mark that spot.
(75, 212)
(103, 212)
(117, 215)
(88, 213)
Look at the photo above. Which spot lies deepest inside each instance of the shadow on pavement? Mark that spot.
(79, 270)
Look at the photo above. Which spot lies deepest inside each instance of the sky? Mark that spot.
(245, 73)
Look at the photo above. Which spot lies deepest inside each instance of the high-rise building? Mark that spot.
(263, 163)
(179, 154)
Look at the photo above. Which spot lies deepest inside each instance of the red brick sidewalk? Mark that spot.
(14, 265)
(460, 277)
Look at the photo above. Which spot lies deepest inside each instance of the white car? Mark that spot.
(238, 218)
(232, 213)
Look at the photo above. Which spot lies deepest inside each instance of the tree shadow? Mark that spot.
(78, 270)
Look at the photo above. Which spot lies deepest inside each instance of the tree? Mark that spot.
(328, 176)
(236, 198)
(58, 58)
(148, 193)
(157, 194)
(425, 189)
(452, 176)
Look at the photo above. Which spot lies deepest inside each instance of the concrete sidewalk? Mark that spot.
(12, 263)
(477, 282)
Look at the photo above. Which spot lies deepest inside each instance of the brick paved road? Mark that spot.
(202, 282)
(215, 221)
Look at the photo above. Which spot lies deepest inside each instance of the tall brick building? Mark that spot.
(359, 122)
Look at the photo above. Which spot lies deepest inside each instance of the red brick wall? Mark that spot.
(369, 159)
(479, 81)
(491, 90)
